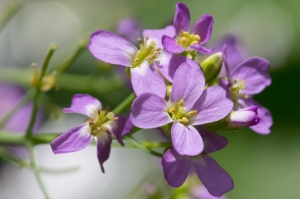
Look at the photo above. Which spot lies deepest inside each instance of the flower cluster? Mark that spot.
(187, 100)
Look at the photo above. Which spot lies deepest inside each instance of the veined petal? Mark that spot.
(103, 148)
(175, 168)
(264, 114)
(201, 49)
(203, 28)
(171, 45)
(212, 105)
(188, 84)
(73, 140)
(182, 18)
(213, 176)
(149, 111)
(186, 139)
(212, 141)
(145, 78)
(156, 35)
(122, 127)
(227, 68)
(109, 47)
(84, 104)
(255, 71)
(168, 63)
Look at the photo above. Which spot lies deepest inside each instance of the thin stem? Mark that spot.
(24, 100)
(5, 155)
(49, 54)
(37, 172)
(10, 11)
(125, 104)
(137, 144)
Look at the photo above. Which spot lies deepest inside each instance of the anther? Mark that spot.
(194, 42)
(185, 34)
(98, 111)
(140, 40)
(197, 37)
(172, 110)
(147, 37)
(185, 120)
(183, 42)
(87, 120)
(191, 113)
(157, 49)
(180, 103)
(246, 96)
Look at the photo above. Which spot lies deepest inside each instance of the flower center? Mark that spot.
(178, 113)
(235, 89)
(149, 53)
(186, 39)
(102, 122)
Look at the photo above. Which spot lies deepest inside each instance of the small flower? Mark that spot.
(247, 79)
(99, 125)
(189, 105)
(176, 167)
(184, 41)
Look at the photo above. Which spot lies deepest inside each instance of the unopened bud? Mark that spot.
(211, 66)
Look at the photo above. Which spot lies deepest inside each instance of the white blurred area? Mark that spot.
(124, 170)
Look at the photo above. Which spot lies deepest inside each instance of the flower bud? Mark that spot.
(242, 117)
(211, 66)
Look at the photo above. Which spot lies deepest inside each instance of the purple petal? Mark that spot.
(200, 192)
(103, 148)
(168, 63)
(201, 49)
(145, 78)
(175, 168)
(73, 140)
(111, 48)
(84, 104)
(186, 139)
(244, 117)
(171, 45)
(188, 84)
(213, 176)
(203, 28)
(225, 85)
(255, 71)
(182, 18)
(227, 69)
(123, 127)
(156, 35)
(212, 106)
(264, 114)
(149, 111)
(212, 141)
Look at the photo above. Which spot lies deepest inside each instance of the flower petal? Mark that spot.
(186, 139)
(213, 176)
(201, 49)
(212, 106)
(122, 127)
(203, 28)
(156, 35)
(73, 140)
(188, 84)
(109, 47)
(255, 71)
(84, 104)
(145, 78)
(201, 192)
(264, 114)
(171, 45)
(168, 63)
(175, 167)
(149, 111)
(103, 148)
(225, 64)
(212, 141)
(182, 18)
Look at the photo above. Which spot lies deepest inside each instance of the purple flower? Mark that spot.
(247, 79)
(111, 48)
(189, 104)
(201, 32)
(200, 192)
(243, 117)
(176, 167)
(99, 125)
(129, 28)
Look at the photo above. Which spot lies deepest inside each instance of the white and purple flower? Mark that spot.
(100, 125)
(184, 41)
(176, 167)
(189, 105)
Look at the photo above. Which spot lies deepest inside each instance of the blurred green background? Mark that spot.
(263, 167)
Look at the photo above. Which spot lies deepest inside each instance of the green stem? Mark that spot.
(125, 104)
(37, 172)
(10, 11)
(5, 155)
(24, 100)
(47, 59)
(142, 147)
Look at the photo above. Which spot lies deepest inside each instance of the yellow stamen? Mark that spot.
(140, 40)
(246, 96)
(194, 42)
(180, 103)
(197, 37)
(185, 34)
(183, 42)
(191, 113)
(184, 120)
